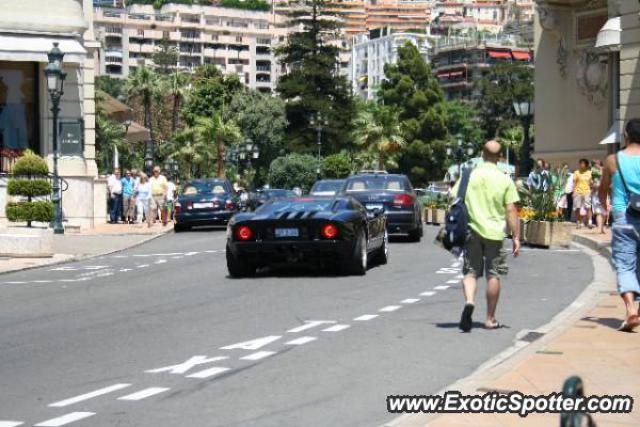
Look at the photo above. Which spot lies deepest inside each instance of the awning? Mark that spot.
(34, 49)
(521, 56)
(138, 133)
(613, 135)
(610, 34)
(456, 74)
(499, 54)
(443, 75)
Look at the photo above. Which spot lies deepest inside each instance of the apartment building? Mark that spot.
(479, 15)
(237, 41)
(459, 62)
(370, 53)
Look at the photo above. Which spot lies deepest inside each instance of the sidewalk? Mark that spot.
(103, 239)
(608, 361)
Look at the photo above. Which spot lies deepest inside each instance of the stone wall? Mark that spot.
(630, 60)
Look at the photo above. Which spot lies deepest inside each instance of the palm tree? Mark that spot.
(109, 134)
(178, 87)
(143, 84)
(378, 130)
(218, 131)
(187, 150)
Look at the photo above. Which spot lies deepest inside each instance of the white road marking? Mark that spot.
(182, 368)
(65, 419)
(310, 324)
(390, 308)
(152, 255)
(253, 344)
(213, 252)
(87, 396)
(441, 287)
(258, 355)
(410, 300)
(10, 423)
(365, 317)
(460, 276)
(453, 281)
(64, 268)
(143, 394)
(301, 341)
(447, 270)
(120, 256)
(209, 372)
(191, 253)
(14, 283)
(456, 264)
(124, 270)
(428, 294)
(94, 267)
(142, 265)
(67, 280)
(41, 281)
(178, 257)
(160, 261)
(336, 328)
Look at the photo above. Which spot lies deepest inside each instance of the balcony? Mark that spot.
(114, 69)
(113, 29)
(263, 68)
(263, 78)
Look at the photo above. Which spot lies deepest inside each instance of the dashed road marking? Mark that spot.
(14, 283)
(143, 394)
(253, 344)
(390, 308)
(207, 373)
(365, 317)
(182, 368)
(191, 253)
(336, 328)
(142, 265)
(410, 300)
(124, 270)
(155, 255)
(456, 264)
(10, 423)
(177, 257)
(441, 287)
(87, 396)
(454, 281)
(258, 355)
(160, 261)
(447, 270)
(65, 419)
(428, 294)
(301, 341)
(310, 324)
(460, 276)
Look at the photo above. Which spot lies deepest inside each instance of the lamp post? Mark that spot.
(460, 151)
(318, 122)
(244, 152)
(55, 85)
(148, 157)
(525, 111)
(171, 166)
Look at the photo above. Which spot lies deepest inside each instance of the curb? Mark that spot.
(76, 258)
(522, 349)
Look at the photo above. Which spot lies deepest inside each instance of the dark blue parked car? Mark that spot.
(205, 202)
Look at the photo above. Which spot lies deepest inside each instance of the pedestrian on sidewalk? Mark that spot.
(582, 181)
(159, 189)
(599, 210)
(135, 174)
(143, 199)
(128, 198)
(539, 177)
(622, 178)
(490, 200)
(114, 186)
(171, 194)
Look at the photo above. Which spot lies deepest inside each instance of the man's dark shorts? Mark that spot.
(482, 255)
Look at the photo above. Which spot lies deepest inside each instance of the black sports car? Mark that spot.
(336, 231)
(205, 202)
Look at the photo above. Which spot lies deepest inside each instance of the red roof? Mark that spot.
(522, 56)
(499, 54)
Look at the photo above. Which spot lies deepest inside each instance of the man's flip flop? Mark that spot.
(465, 320)
(630, 324)
(497, 325)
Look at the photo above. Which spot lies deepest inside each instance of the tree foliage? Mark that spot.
(336, 166)
(294, 170)
(29, 181)
(210, 92)
(111, 85)
(378, 129)
(259, 5)
(165, 56)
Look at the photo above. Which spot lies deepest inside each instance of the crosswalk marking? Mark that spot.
(309, 324)
(453, 281)
(365, 317)
(301, 341)
(207, 373)
(160, 261)
(410, 300)
(441, 287)
(143, 265)
(428, 294)
(258, 355)
(336, 328)
(87, 396)
(10, 423)
(143, 394)
(65, 419)
(184, 367)
(389, 308)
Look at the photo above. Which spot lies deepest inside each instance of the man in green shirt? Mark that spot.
(490, 199)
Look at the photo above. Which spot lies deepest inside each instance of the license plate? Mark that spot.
(202, 205)
(287, 232)
(372, 206)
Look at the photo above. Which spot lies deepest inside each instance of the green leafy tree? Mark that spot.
(111, 85)
(462, 119)
(188, 150)
(166, 56)
(336, 166)
(177, 85)
(313, 83)
(143, 85)
(294, 170)
(210, 92)
(217, 132)
(378, 129)
(259, 5)
(29, 181)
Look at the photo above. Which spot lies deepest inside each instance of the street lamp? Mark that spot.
(318, 121)
(55, 85)
(149, 153)
(460, 151)
(525, 111)
(171, 166)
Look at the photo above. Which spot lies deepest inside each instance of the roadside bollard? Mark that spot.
(573, 387)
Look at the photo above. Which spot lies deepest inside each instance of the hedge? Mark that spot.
(30, 211)
(29, 188)
(30, 164)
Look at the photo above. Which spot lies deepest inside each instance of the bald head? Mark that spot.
(491, 151)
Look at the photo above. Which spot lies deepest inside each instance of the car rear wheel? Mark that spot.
(181, 227)
(357, 264)
(416, 235)
(382, 254)
(238, 268)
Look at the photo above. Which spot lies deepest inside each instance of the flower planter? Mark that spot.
(523, 230)
(438, 216)
(548, 234)
(427, 215)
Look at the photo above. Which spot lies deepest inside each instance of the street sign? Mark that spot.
(72, 138)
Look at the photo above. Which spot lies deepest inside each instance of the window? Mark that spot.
(18, 109)
(263, 41)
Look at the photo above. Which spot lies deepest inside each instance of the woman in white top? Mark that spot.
(143, 198)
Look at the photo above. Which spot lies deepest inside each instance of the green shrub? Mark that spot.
(30, 164)
(29, 188)
(294, 170)
(336, 166)
(30, 211)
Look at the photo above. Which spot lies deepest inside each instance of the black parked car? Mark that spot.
(326, 187)
(393, 194)
(335, 231)
(263, 196)
(205, 202)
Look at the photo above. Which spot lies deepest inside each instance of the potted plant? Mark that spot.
(439, 210)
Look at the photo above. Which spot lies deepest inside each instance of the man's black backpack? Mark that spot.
(456, 224)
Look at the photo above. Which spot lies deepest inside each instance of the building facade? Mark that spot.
(28, 30)
(369, 54)
(587, 78)
(237, 41)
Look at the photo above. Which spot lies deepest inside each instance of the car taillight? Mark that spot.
(178, 207)
(244, 233)
(329, 231)
(403, 200)
(189, 205)
(228, 205)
